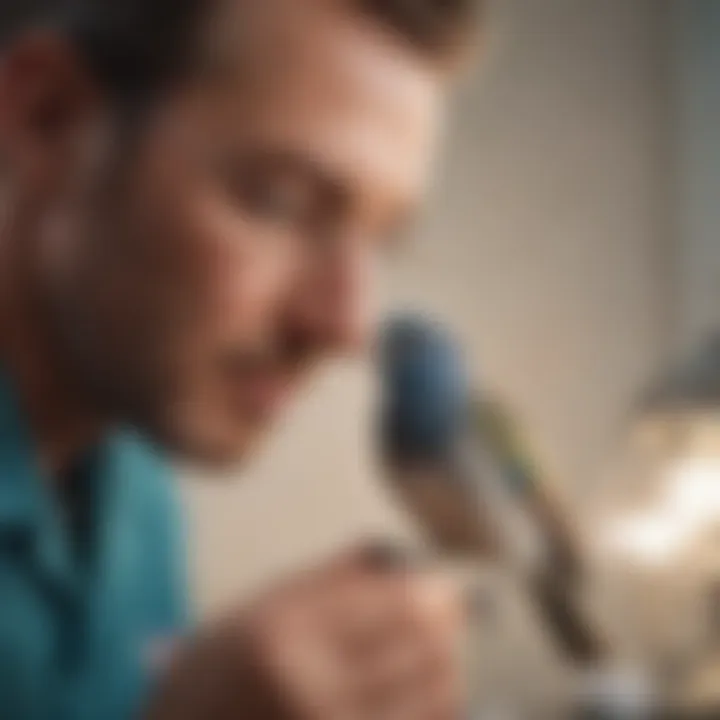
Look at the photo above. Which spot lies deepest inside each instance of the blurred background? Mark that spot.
(572, 244)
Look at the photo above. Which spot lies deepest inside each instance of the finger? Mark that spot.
(431, 608)
(436, 600)
(423, 695)
(420, 664)
(367, 612)
(424, 662)
(376, 612)
(386, 556)
(380, 680)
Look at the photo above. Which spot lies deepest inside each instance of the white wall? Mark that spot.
(696, 45)
(542, 248)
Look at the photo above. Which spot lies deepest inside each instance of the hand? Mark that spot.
(356, 640)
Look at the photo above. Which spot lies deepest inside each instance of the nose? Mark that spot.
(333, 307)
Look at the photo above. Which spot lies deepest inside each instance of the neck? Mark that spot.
(62, 425)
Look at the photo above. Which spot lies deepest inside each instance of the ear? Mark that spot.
(46, 97)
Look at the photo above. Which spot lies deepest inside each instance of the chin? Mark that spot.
(215, 448)
(214, 457)
(220, 460)
(209, 435)
(220, 453)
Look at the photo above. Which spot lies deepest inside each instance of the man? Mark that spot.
(194, 197)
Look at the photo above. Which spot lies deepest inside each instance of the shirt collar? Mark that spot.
(27, 510)
(19, 472)
(23, 492)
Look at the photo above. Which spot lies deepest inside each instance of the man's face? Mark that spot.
(199, 268)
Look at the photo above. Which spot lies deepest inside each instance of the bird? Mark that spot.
(455, 457)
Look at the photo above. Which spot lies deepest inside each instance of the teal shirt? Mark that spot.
(82, 623)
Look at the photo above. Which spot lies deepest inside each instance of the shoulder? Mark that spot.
(147, 477)
(153, 510)
(147, 500)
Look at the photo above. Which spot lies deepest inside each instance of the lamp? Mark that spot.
(692, 386)
(679, 426)
(670, 526)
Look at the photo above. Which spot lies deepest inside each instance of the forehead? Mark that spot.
(321, 80)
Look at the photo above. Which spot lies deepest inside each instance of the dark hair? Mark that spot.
(132, 46)
(135, 46)
(438, 28)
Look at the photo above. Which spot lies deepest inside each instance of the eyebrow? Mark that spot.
(333, 185)
(292, 162)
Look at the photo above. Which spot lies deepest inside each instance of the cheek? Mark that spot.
(245, 273)
(224, 275)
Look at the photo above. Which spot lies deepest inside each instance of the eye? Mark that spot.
(275, 200)
(267, 193)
